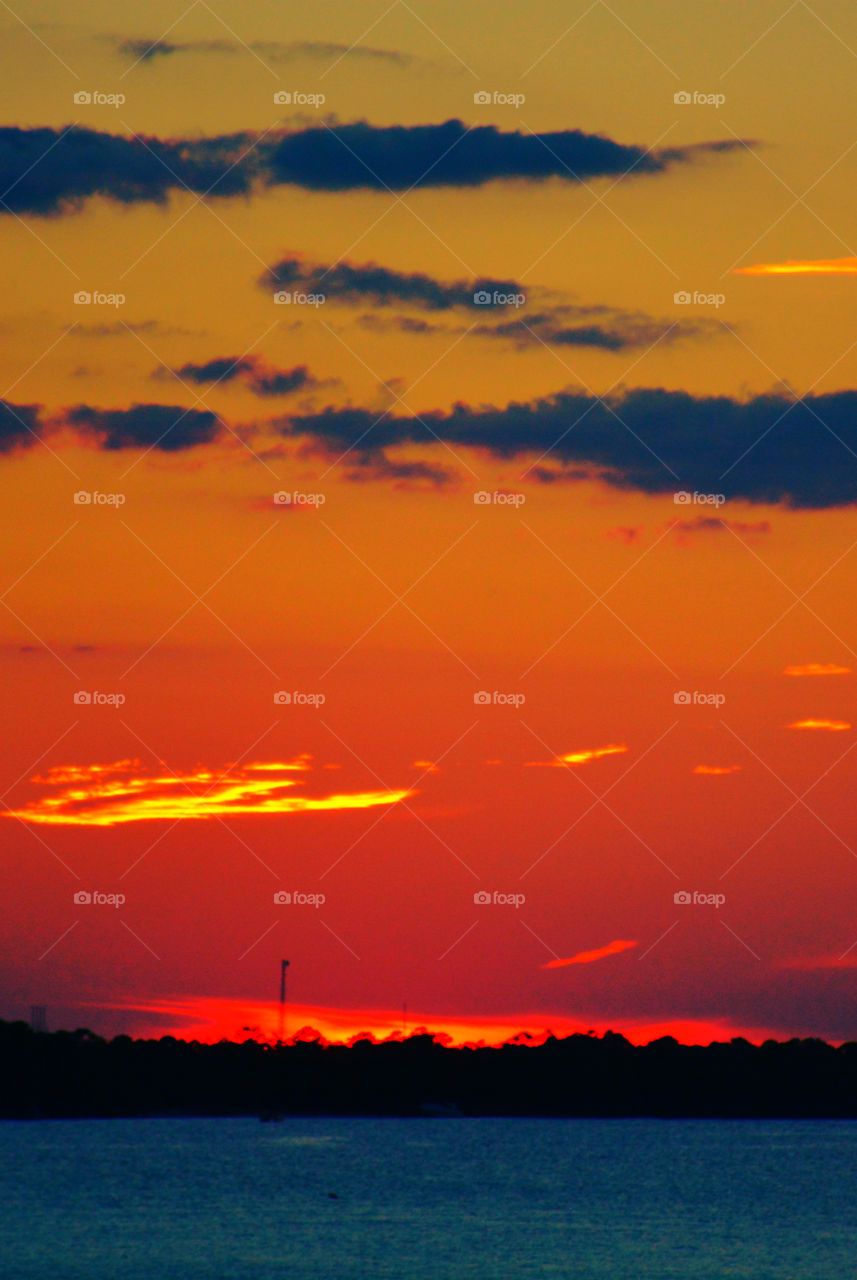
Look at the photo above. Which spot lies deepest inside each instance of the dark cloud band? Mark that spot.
(50, 171)
(769, 449)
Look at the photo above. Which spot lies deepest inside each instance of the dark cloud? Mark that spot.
(261, 378)
(281, 382)
(626, 331)
(400, 157)
(50, 171)
(403, 474)
(166, 427)
(369, 282)
(558, 324)
(622, 332)
(19, 425)
(221, 369)
(362, 52)
(712, 524)
(769, 449)
(148, 50)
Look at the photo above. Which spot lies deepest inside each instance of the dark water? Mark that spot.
(493, 1199)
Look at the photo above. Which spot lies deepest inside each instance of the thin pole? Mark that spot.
(284, 964)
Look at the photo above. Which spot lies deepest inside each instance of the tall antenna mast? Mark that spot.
(284, 964)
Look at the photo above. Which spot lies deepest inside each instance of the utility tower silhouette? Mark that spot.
(284, 964)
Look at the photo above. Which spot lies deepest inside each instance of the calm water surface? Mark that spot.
(493, 1199)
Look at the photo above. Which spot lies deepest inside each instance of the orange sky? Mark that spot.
(281, 660)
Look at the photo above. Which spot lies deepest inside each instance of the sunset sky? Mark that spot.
(430, 445)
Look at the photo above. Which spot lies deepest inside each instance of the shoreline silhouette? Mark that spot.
(80, 1075)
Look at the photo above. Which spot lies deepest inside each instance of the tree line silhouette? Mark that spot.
(67, 1074)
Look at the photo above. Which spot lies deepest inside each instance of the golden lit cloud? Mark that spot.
(717, 770)
(817, 669)
(581, 757)
(587, 957)
(832, 726)
(811, 267)
(105, 795)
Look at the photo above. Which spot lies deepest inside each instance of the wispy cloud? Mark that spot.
(717, 770)
(809, 267)
(105, 795)
(255, 373)
(583, 756)
(144, 50)
(587, 957)
(547, 319)
(817, 669)
(831, 726)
